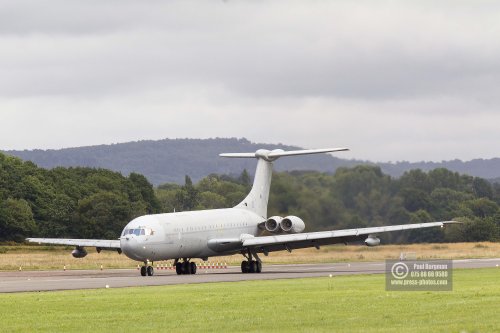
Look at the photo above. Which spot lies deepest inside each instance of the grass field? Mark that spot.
(56, 257)
(339, 304)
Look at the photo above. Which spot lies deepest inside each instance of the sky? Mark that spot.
(392, 80)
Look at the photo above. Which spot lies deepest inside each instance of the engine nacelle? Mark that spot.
(273, 224)
(292, 224)
(79, 252)
(372, 241)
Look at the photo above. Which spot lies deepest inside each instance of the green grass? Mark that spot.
(343, 304)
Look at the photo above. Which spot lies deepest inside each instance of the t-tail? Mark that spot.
(257, 200)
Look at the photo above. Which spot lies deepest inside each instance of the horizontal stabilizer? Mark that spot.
(278, 153)
(271, 155)
(238, 155)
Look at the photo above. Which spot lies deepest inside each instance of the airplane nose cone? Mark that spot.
(130, 247)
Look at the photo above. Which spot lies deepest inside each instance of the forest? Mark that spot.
(97, 203)
(69, 202)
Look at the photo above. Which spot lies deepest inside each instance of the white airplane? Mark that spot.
(221, 232)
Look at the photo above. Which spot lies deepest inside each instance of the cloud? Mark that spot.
(399, 80)
(340, 49)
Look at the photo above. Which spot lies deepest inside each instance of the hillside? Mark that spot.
(169, 160)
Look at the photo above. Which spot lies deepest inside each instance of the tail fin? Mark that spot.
(257, 200)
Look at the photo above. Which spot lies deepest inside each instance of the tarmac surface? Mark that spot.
(29, 281)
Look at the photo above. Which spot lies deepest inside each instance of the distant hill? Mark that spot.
(169, 160)
(495, 180)
(484, 168)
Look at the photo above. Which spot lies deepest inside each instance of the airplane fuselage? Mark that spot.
(194, 234)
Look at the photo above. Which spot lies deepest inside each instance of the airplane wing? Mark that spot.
(98, 243)
(315, 239)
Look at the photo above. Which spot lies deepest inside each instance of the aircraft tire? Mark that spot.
(143, 271)
(178, 268)
(150, 270)
(245, 266)
(186, 268)
(193, 268)
(252, 267)
(259, 267)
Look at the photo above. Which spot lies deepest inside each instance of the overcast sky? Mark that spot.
(392, 80)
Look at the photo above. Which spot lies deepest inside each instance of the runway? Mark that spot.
(26, 281)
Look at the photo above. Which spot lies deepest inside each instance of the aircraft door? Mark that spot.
(172, 241)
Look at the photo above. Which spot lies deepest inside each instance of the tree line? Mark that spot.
(69, 202)
(362, 196)
(98, 203)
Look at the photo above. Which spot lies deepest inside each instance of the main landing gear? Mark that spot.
(147, 270)
(185, 268)
(250, 265)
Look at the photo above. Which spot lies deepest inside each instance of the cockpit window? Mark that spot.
(138, 232)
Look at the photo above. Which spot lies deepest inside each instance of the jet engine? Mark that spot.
(372, 241)
(292, 224)
(273, 224)
(288, 225)
(79, 252)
